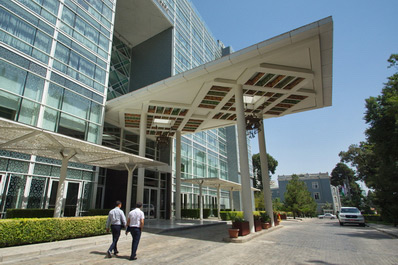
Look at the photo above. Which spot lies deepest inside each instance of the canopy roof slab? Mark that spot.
(26, 139)
(139, 20)
(286, 74)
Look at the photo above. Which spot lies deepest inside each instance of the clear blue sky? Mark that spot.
(365, 34)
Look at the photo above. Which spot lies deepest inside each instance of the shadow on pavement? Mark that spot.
(321, 262)
(103, 253)
(207, 233)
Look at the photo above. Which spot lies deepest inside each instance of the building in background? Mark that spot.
(318, 184)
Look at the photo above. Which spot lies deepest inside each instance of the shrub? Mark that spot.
(373, 217)
(96, 212)
(226, 215)
(29, 213)
(194, 213)
(15, 232)
(215, 212)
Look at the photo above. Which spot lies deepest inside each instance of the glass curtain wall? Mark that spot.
(56, 80)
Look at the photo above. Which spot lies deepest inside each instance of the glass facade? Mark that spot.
(59, 63)
(54, 61)
(194, 43)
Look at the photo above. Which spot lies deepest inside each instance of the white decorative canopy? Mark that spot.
(26, 139)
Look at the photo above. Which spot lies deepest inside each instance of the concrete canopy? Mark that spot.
(139, 20)
(286, 74)
(26, 139)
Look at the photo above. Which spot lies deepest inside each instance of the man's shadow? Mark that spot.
(113, 256)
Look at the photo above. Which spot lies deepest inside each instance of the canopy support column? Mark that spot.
(265, 173)
(218, 200)
(178, 176)
(130, 170)
(200, 200)
(231, 199)
(141, 152)
(247, 200)
(59, 203)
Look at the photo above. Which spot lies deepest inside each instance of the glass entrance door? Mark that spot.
(150, 203)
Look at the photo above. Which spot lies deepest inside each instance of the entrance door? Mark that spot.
(150, 203)
(71, 200)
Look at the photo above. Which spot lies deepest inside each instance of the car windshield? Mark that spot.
(349, 210)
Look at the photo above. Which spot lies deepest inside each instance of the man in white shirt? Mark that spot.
(135, 221)
(116, 220)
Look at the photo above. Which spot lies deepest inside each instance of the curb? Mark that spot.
(384, 231)
(244, 239)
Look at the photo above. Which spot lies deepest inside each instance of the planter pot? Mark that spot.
(244, 228)
(257, 225)
(266, 225)
(233, 233)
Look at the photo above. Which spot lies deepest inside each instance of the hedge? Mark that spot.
(373, 217)
(96, 212)
(15, 232)
(224, 215)
(194, 213)
(29, 213)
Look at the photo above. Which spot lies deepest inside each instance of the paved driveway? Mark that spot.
(312, 241)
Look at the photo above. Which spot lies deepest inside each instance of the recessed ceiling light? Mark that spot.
(162, 121)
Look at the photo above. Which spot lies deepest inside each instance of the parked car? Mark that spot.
(351, 215)
(149, 210)
(327, 215)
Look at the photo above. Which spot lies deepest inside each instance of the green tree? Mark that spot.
(298, 199)
(342, 175)
(259, 200)
(376, 160)
(277, 205)
(272, 164)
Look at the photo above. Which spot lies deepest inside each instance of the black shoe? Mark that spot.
(133, 258)
(116, 252)
(108, 254)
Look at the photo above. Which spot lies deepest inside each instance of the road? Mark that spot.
(313, 241)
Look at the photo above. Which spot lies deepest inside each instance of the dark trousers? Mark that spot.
(115, 237)
(136, 234)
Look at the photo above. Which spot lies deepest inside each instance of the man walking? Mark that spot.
(116, 220)
(135, 221)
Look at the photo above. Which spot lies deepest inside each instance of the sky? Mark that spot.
(365, 35)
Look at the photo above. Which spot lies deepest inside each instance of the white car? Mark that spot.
(327, 215)
(149, 210)
(351, 215)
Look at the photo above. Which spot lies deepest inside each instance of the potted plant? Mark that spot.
(276, 218)
(265, 220)
(233, 232)
(257, 223)
(240, 223)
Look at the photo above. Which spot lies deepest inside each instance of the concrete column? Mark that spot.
(130, 170)
(141, 152)
(218, 200)
(265, 173)
(231, 199)
(200, 200)
(59, 203)
(178, 175)
(247, 201)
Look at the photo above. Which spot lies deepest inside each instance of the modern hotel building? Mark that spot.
(92, 74)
